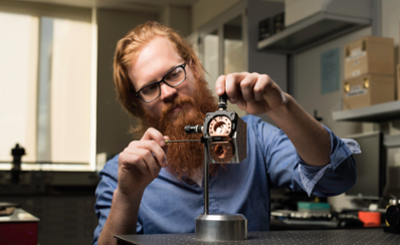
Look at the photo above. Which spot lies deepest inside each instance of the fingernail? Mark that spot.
(165, 163)
(219, 91)
(162, 142)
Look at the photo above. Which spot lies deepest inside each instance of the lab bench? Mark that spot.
(325, 237)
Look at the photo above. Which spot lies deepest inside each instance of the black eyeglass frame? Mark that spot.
(162, 81)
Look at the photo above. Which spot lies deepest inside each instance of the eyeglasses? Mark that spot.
(173, 78)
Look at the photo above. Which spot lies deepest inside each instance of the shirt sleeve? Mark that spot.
(104, 195)
(336, 177)
(286, 168)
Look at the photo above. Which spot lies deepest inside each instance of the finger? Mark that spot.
(220, 85)
(246, 86)
(154, 134)
(152, 163)
(129, 160)
(154, 148)
(231, 86)
(263, 84)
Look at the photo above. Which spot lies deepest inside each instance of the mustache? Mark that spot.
(177, 102)
(183, 159)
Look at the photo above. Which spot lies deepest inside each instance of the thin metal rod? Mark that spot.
(206, 178)
(180, 141)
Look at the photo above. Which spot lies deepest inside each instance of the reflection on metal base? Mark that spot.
(221, 227)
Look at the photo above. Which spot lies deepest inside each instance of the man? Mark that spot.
(154, 188)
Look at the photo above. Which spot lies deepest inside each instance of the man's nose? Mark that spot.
(168, 93)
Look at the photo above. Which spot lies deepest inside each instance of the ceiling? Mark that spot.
(150, 6)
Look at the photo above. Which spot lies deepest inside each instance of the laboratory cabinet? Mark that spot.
(376, 113)
(65, 219)
(310, 23)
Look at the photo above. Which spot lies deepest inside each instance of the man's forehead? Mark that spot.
(158, 46)
(153, 60)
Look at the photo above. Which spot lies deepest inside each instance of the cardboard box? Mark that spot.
(373, 55)
(297, 10)
(367, 90)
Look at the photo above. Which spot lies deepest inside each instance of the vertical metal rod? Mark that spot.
(205, 178)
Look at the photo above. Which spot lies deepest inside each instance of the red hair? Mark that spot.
(129, 47)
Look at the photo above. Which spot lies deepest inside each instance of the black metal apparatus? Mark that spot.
(17, 154)
(393, 218)
(225, 141)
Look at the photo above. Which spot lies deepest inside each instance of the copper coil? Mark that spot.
(222, 151)
(220, 126)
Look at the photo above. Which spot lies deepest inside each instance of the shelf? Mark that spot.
(316, 29)
(376, 113)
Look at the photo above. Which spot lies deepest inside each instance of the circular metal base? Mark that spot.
(221, 227)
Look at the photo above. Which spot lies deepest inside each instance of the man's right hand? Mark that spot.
(140, 163)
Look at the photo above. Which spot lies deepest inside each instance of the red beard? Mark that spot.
(184, 159)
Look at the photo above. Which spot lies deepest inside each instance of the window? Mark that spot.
(47, 86)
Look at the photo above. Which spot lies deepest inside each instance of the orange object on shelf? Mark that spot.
(370, 219)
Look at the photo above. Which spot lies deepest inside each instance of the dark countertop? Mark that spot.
(326, 237)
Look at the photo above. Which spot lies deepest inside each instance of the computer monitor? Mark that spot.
(371, 166)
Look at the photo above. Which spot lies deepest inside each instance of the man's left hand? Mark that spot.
(252, 92)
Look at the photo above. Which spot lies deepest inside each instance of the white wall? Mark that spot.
(307, 87)
(307, 84)
(391, 19)
(390, 28)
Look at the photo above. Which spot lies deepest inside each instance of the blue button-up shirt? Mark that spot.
(170, 205)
